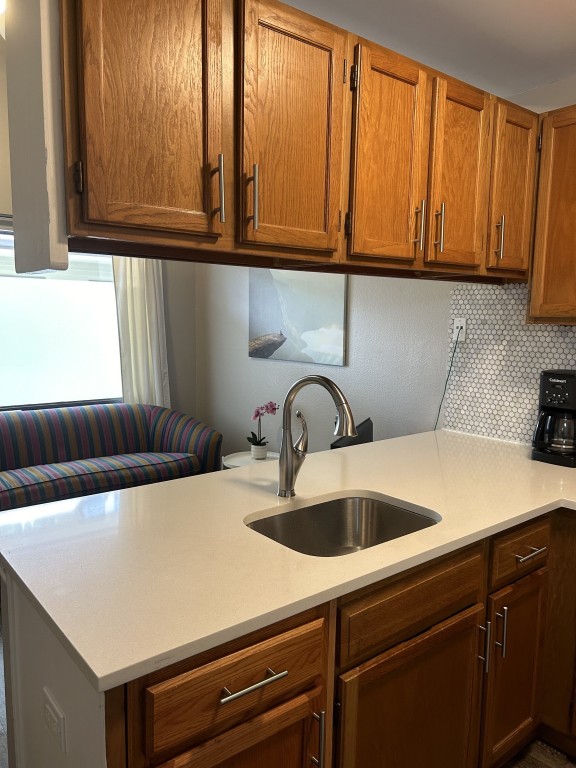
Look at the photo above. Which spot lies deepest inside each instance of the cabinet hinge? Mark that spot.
(348, 223)
(354, 77)
(345, 80)
(539, 142)
(79, 176)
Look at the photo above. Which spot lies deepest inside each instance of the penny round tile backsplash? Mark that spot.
(495, 377)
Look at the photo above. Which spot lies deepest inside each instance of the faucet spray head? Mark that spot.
(345, 426)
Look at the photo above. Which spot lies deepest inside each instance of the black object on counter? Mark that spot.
(554, 438)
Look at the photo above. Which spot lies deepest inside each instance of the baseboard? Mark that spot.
(558, 740)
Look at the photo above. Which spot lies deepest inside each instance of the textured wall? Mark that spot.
(396, 367)
(493, 387)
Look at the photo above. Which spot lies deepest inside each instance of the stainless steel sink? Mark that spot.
(339, 526)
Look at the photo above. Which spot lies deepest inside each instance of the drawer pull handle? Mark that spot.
(222, 188)
(421, 210)
(487, 643)
(504, 617)
(255, 178)
(534, 553)
(501, 225)
(321, 717)
(272, 677)
(441, 213)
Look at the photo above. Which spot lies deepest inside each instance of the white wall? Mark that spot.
(5, 194)
(397, 356)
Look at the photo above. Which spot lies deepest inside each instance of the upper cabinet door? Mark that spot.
(513, 179)
(553, 283)
(459, 175)
(390, 145)
(292, 127)
(151, 100)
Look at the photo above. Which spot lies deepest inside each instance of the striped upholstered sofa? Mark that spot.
(61, 453)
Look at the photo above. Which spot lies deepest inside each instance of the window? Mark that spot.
(58, 332)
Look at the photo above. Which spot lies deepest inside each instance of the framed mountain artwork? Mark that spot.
(298, 316)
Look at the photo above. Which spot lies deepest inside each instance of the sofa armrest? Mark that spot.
(175, 432)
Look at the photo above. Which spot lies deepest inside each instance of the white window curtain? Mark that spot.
(142, 331)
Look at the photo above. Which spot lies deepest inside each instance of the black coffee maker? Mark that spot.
(554, 438)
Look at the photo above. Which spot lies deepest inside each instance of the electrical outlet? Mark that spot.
(55, 719)
(459, 325)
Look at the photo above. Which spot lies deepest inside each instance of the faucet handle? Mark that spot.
(301, 445)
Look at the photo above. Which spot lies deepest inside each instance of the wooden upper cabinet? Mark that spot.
(459, 174)
(390, 144)
(512, 187)
(553, 279)
(292, 99)
(150, 103)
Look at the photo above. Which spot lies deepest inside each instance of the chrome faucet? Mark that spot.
(292, 455)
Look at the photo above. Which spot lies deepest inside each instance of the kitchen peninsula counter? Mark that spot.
(134, 580)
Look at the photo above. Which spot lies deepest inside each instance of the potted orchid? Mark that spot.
(257, 442)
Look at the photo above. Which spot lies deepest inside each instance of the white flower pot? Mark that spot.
(258, 451)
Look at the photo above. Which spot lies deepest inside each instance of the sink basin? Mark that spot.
(340, 526)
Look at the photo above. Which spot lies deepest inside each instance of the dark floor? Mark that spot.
(540, 755)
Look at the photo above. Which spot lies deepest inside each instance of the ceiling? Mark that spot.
(507, 47)
(522, 50)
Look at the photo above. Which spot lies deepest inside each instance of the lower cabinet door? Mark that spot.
(511, 697)
(417, 704)
(290, 735)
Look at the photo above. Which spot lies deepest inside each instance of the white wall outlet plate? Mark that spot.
(459, 329)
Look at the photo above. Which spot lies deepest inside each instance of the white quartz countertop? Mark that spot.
(137, 579)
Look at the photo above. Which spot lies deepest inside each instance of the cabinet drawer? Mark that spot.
(519, 552)
(410, 604)
(205, 701)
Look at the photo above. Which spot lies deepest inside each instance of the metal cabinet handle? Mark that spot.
(486, 657)
(272, 677)
(501, 225)
(504, 616)
(321, 717)
(420, 239)
(255, 192)
(534, 553)
(222, 190)
(441, 213)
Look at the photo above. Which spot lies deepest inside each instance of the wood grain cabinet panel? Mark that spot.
(286, 737)
(411, 604)
(553, 279)
(390, 144)
(511, 698)
(292, 101)
(418, 703)
(150, 103)
(459, 175)
(512, 187)
(189, 706)
(517, 553)
(223, 708)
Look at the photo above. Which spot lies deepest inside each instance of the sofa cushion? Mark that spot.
(30, 438)
(46, 482)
